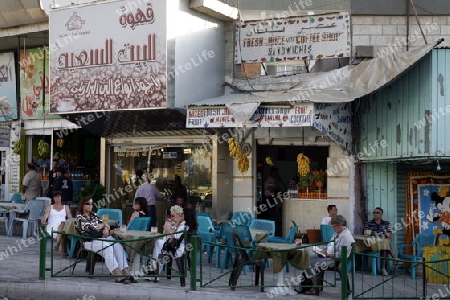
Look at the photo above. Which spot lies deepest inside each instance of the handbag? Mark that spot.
(93, 234)
(171, 245)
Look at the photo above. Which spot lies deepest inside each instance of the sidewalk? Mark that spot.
(19, 280)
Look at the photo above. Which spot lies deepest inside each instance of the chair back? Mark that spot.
(139, 223)
(48, 201)
(245, 236)
(226, 233)
(237, 242)
(204, 224)
(36, 209)
(291, 235)
(204, 214)
(17, 198)
(241, 218)
(113, 214)
(326, 232)
(262, 224)
(423, 239)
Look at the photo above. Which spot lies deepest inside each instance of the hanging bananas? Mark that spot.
(18, 146)
(235, 151)
(60, 143)
(243, 162)
(303, 164)
(43, 148)
(269, 161)
(233, 147)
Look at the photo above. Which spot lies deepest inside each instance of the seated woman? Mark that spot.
(174, 223)
(114, 254)
(140, 208)
(321, 261)
(55, 217)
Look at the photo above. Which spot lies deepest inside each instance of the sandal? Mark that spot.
(123, 280)
(313, 291)
(132, 279)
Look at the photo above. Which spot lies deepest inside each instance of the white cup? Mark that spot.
(367, 232)
(123, 228)
(154, 229)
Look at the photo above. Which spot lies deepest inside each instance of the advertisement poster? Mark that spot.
(335, 121)
(113, 62)
(294, 38)
(8, 106)
(14, 174)
(34, 84)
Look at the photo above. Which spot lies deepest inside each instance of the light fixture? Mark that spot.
(438, 167)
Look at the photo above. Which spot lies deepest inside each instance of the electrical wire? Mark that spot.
(418, 22)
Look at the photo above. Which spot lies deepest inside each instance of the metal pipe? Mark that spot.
(407, 24)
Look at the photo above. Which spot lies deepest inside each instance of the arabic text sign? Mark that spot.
(7, 87)
(299, 38)
(115, 62)
(264, 116)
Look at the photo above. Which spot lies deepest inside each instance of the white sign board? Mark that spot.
(264, 116)
(290, 39)
(108, 56)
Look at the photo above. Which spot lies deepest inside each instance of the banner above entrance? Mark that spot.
(260, 116)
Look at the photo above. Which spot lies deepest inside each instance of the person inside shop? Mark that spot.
(150, 192)
(51, 179)
(273, 189)
(322, 259)
(332, 211)
(381, 229)
(31, 184)
(55, 217)
(113, 252)
(64, 184)
(179, 190)
(140, 208)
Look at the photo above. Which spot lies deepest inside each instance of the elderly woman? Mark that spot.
(174, 223)
(324, 259)
(113, 253)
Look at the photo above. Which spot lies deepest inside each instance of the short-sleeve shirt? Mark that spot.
(380, 230)
(345, 238)
(32, 180)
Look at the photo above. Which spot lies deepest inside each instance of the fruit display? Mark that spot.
(43, 148)
(303, 164)
(233, 147)
(235, 151)
(269, 161)
(60, 143)
(18, 146)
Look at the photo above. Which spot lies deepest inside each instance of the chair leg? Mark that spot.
(90, 263)
(180, 266)
(169, 268)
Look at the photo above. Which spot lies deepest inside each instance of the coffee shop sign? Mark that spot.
(264, 116)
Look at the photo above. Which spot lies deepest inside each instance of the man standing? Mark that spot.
(31, 184)
(149, 192)
(64, 184)
(273, 189)
(51, 179)
(381, 229)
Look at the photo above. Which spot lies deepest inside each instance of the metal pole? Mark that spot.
(193, 241)
(42, 250)
(344, 273)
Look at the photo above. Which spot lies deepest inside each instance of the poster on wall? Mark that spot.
(14, 174)
(34, 84)
(293, 38)
(8, 106)
(113, 62)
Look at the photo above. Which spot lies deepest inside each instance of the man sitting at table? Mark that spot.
(381, 229)
(322, 260)
(332, 211)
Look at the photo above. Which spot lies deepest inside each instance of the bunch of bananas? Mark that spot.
(303, 164)
(43, 148)
(18, 146)
(243, 162)
(269, 161)
(233, 147)
(60, 143)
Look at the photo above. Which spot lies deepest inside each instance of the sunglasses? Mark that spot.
(89, 203)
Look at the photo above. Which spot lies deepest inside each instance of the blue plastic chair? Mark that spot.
(289, 239)
(113, 214)
(140, 223)
(204, 214)
(206, 231)
(226, 239)
(419, 241)
(262, 224)
(241, 218)
(17, 198)
(326, 232)
(248, 242)
(36, 210)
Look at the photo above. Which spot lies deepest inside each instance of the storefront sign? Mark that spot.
(334, 120)
(8, 107)
(290, 39)
(132, 148)
(113, 62)
(169, 155)
(14, 174)
(5, 134)
(264, 116)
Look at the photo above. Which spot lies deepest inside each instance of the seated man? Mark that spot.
(322, 260)
(332, 211)
(381, 229)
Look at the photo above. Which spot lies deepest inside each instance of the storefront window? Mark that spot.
(191, 162)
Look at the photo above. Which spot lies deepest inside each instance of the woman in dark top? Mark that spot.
(140, 208)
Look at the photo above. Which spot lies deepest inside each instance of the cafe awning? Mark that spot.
(337, 86)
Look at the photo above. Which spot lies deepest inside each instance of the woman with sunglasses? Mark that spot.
(114, 254)
(174, 227)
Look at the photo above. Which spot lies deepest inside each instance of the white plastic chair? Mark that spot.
(4, 218)
(35, 209)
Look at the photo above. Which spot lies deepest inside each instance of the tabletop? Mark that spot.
(370, 243)
(259, 234)
(298, 257)
(137, 241)
(9, 206)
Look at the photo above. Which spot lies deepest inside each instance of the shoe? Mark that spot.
(123, 280)
(384, 272)
(153, 279)
(132, 279)
(312, 291)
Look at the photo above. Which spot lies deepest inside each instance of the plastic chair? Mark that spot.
(113, 214)
(262, 224)
(206, 231)
(419, 241)
(204, 214)
(17, 198)
(326, 232)
(289, 239)
(48, 201)
(4, 218)
(241, 218)
(140, 223)
(35, 209)
(226, 239)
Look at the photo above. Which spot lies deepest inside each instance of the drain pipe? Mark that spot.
(407, 24)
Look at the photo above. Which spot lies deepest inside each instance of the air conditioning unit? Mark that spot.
(364, 51)
(285, 69)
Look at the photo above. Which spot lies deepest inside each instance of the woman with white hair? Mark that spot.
(174, 228)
